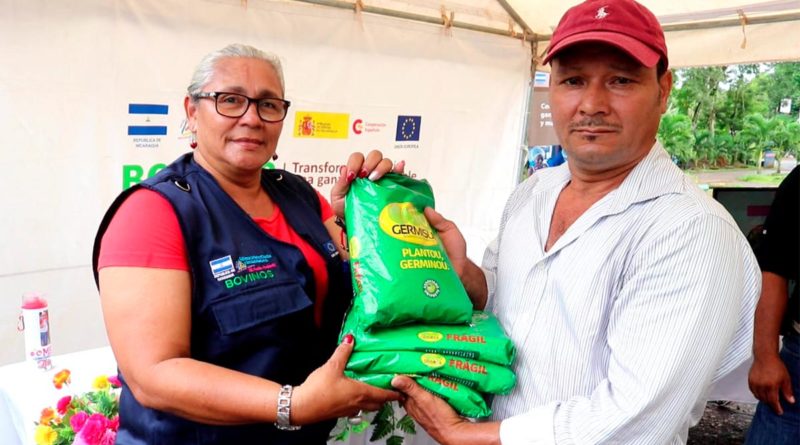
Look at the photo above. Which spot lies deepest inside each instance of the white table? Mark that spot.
(25, 390)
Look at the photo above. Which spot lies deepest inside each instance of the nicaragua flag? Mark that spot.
(149, 119)
(541, 79)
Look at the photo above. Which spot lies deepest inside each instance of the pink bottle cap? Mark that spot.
(33, 300)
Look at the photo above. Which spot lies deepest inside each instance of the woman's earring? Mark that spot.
(275, 157)
(193, 144)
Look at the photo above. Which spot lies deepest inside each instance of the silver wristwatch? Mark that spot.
(284, 417)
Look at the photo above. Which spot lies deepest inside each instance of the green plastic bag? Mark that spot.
(467, 402)
(400, 270)
(483, 339)
(480, 376)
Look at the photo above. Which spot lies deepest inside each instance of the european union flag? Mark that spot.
(408, 128)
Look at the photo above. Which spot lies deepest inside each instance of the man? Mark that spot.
(626, 289)
(775, 378)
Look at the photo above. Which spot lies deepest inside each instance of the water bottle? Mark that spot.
(34, 321)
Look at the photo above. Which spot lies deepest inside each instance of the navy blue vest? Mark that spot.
(252, 299)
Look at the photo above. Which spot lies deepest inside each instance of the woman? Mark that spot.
(220, 282)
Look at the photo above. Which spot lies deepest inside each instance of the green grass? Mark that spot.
(769, 179)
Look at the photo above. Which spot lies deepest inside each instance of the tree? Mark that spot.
(719, 104)
(783, 83)
(675, 133)
(785, 136)
(756, 135)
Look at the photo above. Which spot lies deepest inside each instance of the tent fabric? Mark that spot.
(715, 36)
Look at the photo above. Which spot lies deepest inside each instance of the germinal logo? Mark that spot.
(401, 220)
(431, 288)
(222, 268)
(148, 123)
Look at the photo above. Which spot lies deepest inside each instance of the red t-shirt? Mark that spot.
(145, 233)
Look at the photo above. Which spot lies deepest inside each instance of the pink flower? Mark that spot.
(63, 404)
(114, 380)
(78, 420)
(113, 424)
(92, 430)
(108, 437)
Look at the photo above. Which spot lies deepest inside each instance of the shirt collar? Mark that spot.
(655, 175)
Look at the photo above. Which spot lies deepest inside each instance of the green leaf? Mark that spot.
(395, 440)
(360, 428)
(386, 412)
(342, 436)
(383, 427)
(65, 436)
(407, 425)
(341, 431)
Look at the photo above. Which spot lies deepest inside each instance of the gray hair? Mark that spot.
(205, 69)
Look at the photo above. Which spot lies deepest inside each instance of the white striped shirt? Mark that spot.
(624, 324)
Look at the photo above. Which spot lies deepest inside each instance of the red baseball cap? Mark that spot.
(623, 23)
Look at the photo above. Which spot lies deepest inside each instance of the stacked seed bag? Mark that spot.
(411, 314)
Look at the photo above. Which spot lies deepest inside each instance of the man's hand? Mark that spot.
(452, 239)
(456, 248)
(374, 166)
(768, 379)
(440, 421)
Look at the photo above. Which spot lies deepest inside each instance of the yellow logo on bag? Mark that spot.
(433, 360)
(401, 220)
(354, 245)
(430, 337)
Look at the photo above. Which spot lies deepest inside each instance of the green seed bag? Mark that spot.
(480, 376)
(483, 339)
(467, 402)
(400, 270)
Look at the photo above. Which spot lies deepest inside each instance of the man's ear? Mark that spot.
(665, 87)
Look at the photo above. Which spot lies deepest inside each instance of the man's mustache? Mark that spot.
(593, 122)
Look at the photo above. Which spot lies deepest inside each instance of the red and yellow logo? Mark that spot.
(315, 124)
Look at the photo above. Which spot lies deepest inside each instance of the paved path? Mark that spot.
(728, 178)
(732, 177)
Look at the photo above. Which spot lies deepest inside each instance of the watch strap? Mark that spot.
(284, 416)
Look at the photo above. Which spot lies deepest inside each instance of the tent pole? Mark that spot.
(415, 17)
(510, 11)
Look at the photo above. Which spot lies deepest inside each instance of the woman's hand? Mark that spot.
(327, 393)
(373, 167)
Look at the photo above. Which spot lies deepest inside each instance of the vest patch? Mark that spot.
(245, 269)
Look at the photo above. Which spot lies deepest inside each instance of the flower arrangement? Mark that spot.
(91, 418)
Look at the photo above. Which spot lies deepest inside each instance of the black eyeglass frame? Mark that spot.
(215, 95)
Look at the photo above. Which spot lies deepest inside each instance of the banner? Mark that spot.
(91, 102)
